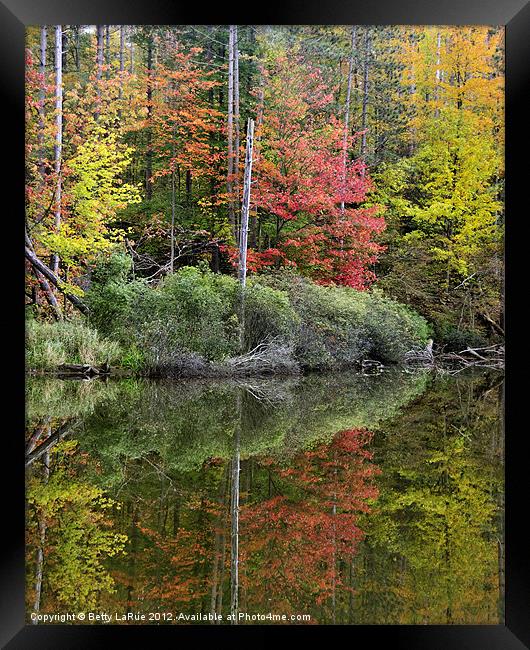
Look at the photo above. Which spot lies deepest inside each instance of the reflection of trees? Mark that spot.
(68, 528)
(178, 426)
(294, 541)
(299, 542)
(169, 453)
(431, 552)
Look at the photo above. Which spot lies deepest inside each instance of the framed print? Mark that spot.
(268, 276)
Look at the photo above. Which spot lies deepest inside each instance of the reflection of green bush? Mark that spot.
(65, 398)
(185, 424)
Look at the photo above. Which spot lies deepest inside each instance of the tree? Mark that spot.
(302, 183)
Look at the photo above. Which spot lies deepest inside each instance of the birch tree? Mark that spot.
(58, 133)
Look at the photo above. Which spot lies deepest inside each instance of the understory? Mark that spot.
(199, 323)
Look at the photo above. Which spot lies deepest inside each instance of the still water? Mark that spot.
(343, 499)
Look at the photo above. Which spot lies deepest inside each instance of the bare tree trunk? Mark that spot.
(42, 99)
(99, 67)
(366, 79)
(243, 238)
(347, 114)
(412, 145)
(236, 122)
(230, 135)
(48, 292)
(76, 48)
(254, 235)
(64, 49)
(58, 133)
(107, 49)
(149, 153)
(48, 273)
(122, 59)
(172, 255)
(438, 73)
(131, 60)
(246, 204)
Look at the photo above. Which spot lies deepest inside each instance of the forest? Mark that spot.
(223, 200)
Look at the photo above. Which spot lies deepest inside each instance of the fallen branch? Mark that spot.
(50, 296)
(50, 275)
(491, 357)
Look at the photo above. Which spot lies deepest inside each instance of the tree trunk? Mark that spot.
(131, 60)
(366, 78)
(76, 48)
(254, 234)
(236, 122)
(149, 153)
(50, 275)
(48, 292)
(230, 135)
(347, 114)
(107, 49)
(122, 59)
(172, 254)
(438, 74)
(242, 272)
(99, 68)
(246, 205)
(58, 133)
(64, 50)
(42, 99)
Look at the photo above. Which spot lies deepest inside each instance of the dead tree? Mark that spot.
(58, 133)
(50, 275)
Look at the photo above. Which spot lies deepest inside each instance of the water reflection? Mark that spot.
(347, 499)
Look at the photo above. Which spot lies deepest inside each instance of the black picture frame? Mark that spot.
(15, 15)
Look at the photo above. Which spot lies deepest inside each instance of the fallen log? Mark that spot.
(83, 369)
(485, 357)
(50, 275)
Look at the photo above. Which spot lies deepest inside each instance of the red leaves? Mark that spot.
(294, 544)
(306, 186)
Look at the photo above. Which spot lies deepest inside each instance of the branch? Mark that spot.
(44, 283)
(50, 275)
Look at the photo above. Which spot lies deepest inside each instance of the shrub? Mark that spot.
(116, 302)
(191, 311)
(193, 308)
(192, 318)
(340, 325)
(49, 345)
(268, 315)
(453, 339)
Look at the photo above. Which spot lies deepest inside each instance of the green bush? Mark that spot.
(191, 311)
(49, 345)
(340, 325)
(268, 315)
(453, 339)
(194, 308)
(116, 301)
(191, 318)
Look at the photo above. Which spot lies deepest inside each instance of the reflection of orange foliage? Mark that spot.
(292, 545)
(182, 563)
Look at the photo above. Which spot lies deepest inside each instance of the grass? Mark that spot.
(49, 345)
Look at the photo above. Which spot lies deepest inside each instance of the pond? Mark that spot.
(339, 499)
